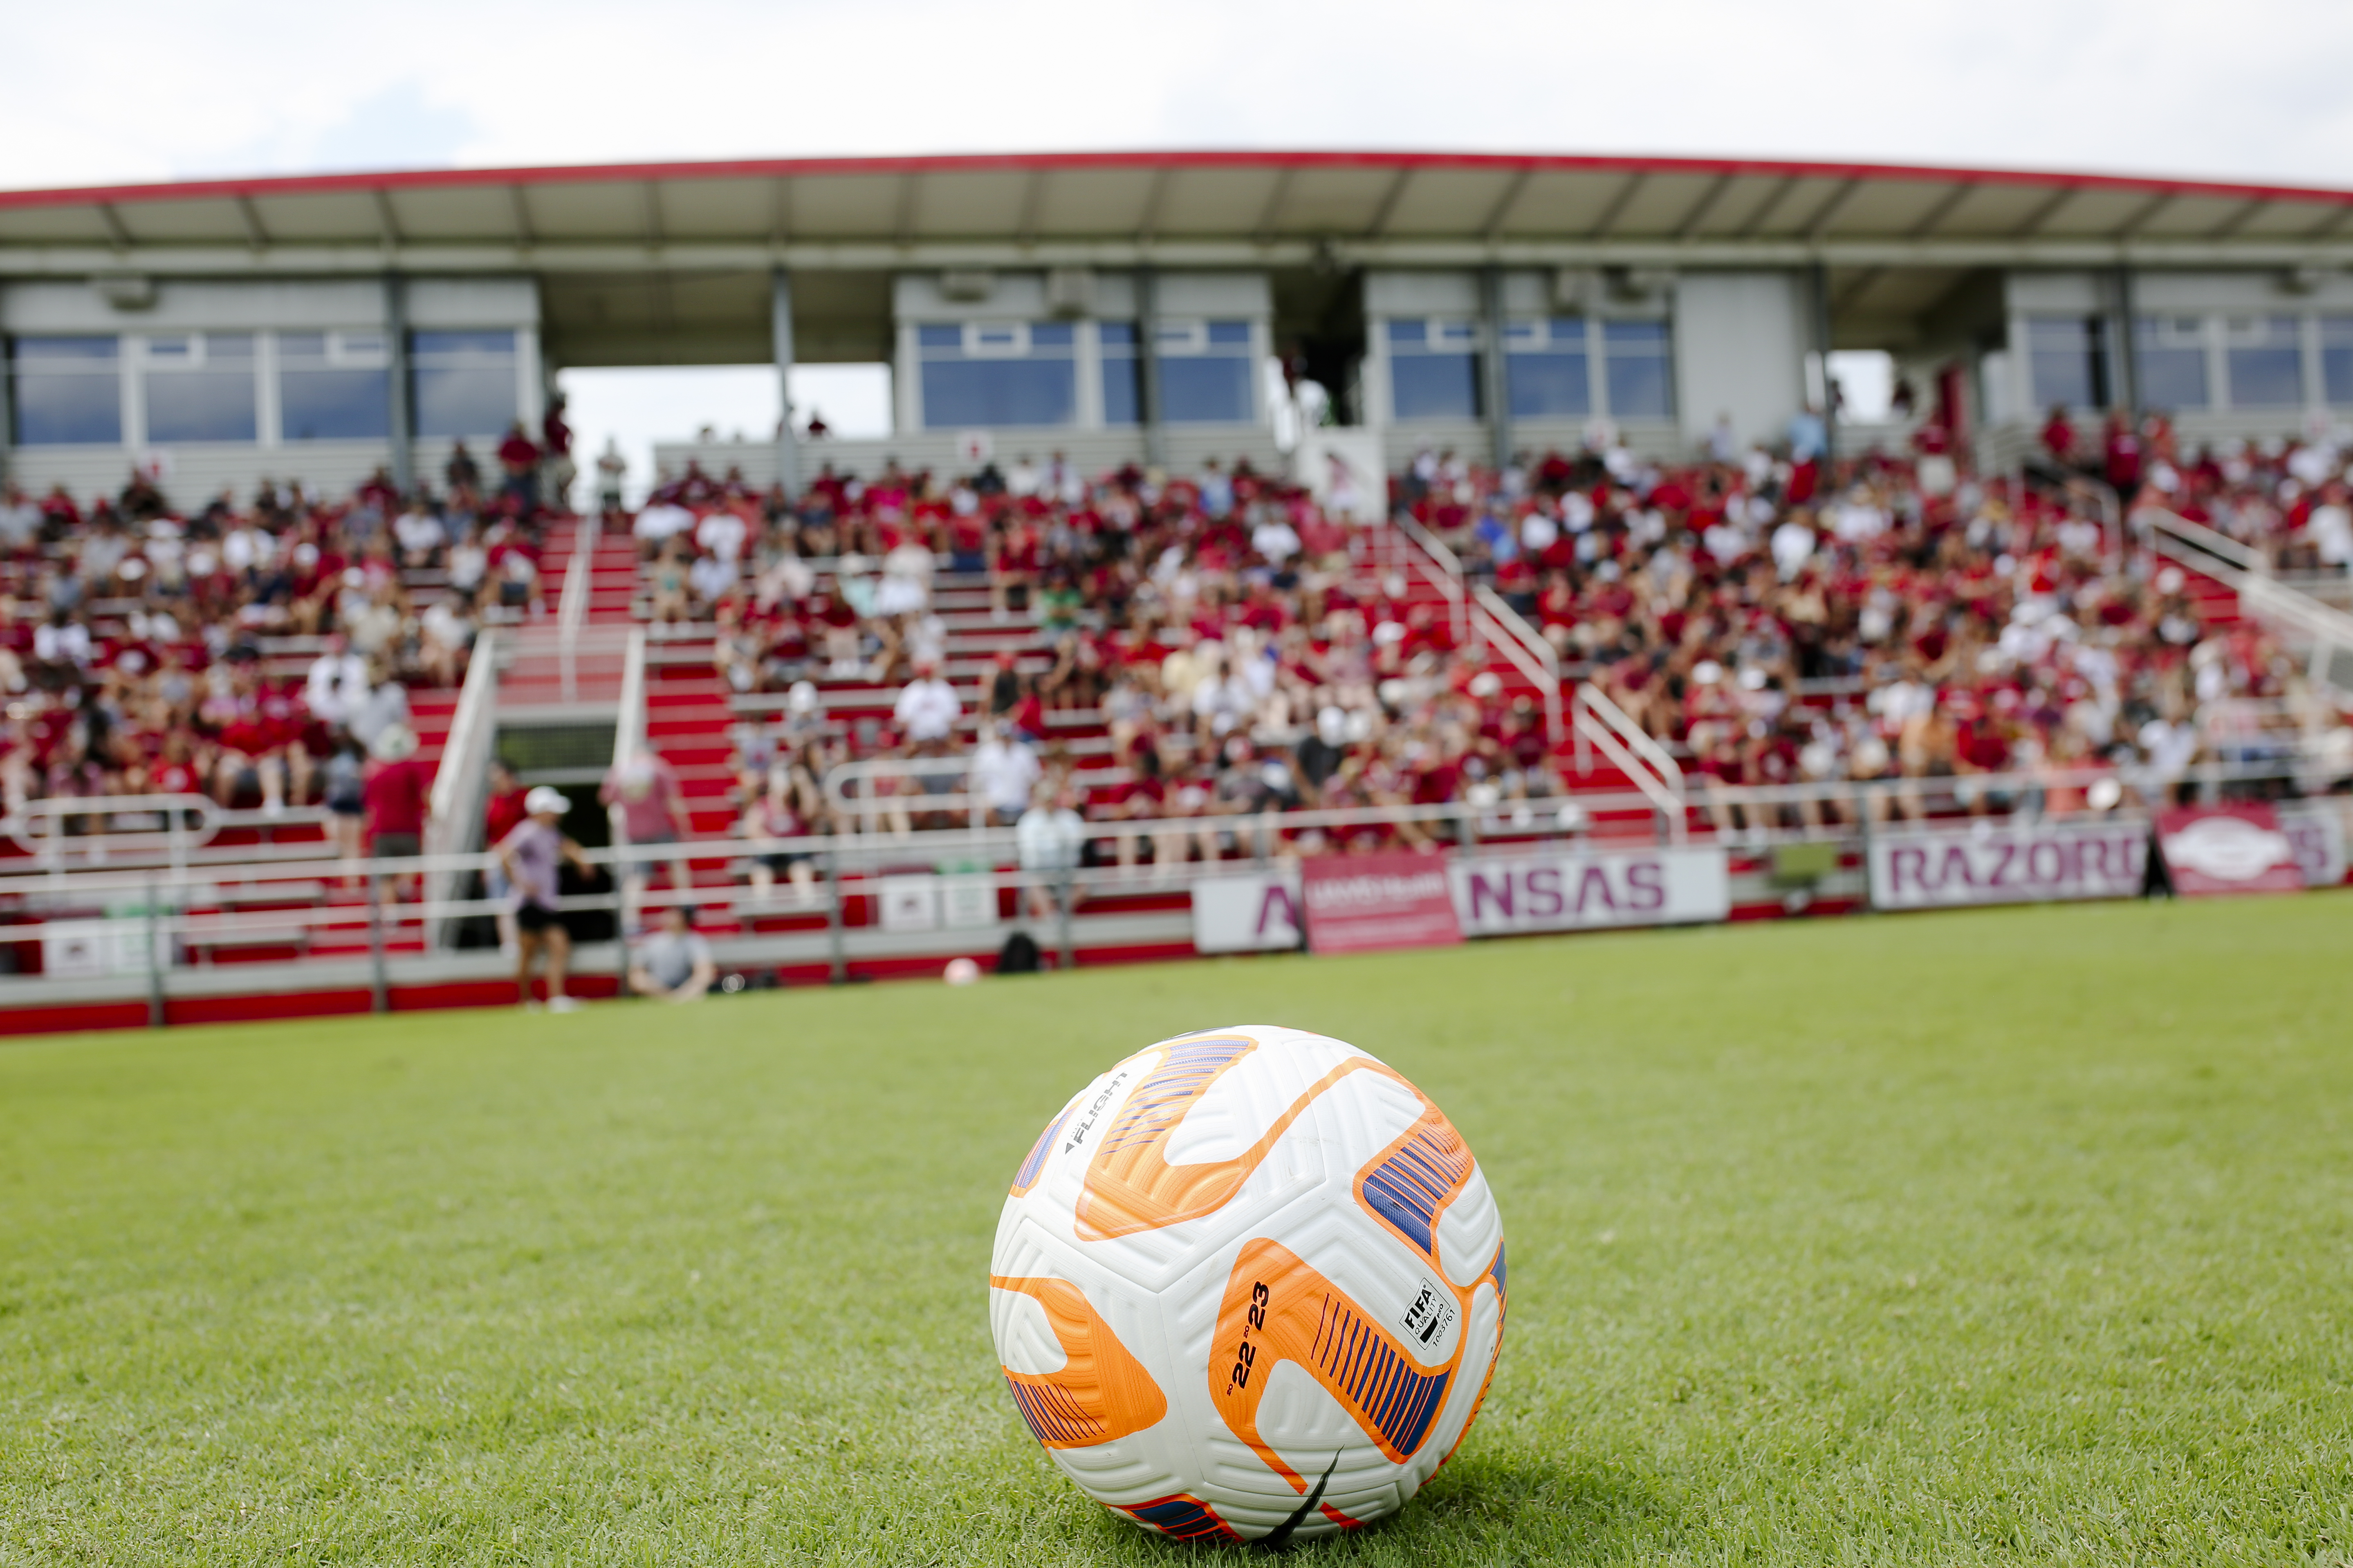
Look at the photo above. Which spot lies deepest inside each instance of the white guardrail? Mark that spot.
(157, 926)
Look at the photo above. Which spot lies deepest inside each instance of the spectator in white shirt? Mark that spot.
(337, 683)
(928, 708)
(1004, 772)
(722, 534)
(657, 524)
(20, 520)
(1275, 539)
(1049, 837)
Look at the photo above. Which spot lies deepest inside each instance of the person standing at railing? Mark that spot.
(532, 855)
(652, 812)
(502, 812)
(395, 797)
(345, 774)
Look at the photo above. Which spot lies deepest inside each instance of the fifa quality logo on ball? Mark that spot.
(1248, 1286)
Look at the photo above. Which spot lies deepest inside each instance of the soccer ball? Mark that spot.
(1248, 1286)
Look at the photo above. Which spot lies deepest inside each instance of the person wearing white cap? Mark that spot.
(532, 854)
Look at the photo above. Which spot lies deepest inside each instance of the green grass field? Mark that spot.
(1981, 1237)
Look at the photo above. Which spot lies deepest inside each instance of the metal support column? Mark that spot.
(7, 405)
(1148, 366)
(379, 986)
(156, 1015)
(2127, 355)
(837, 961)
(1494, 387)
(1830, 381)
(1064, 895)
(780, 334)
(395, 332)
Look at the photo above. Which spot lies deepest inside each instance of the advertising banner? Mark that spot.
(2215, 849)
(1253, 913)
(2316, 828)
(1365, 903)
(2007, 863)
(1590, 891)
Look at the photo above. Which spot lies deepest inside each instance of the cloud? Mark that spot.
(142, 89)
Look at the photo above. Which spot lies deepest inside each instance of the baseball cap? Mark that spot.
(545, 799)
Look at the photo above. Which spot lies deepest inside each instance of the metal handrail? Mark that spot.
(2248, 573)
(1600, 722)
(1442, 568)
(453, 822)
(572, 605)
(1528, 651)
(176, 842)
(1491, 821)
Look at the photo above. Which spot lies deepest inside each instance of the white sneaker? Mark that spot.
(564, 1003)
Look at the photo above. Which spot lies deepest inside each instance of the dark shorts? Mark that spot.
(394, 846)
(535, 918)
(784, 862)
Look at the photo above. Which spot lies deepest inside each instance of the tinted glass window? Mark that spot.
(1548, 385)
(2336, 359)
(66, 391)
(2171, 351)
(2062, 362)
(2266, 363)
(334, 405)
(463, 383)
(1205, 389)
(963, 393)
(1434, 386)
(1635, 367)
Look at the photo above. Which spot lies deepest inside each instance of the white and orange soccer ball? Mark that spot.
(1248, 1285)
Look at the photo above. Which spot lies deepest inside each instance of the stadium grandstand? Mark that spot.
(306, 593)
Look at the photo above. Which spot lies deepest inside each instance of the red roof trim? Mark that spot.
(778, 168)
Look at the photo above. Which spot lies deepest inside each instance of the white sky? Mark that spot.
(140, 89)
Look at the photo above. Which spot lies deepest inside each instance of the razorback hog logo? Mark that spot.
(1101, 1393)
(1132, 1187)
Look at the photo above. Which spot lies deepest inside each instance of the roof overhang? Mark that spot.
(1173, 209)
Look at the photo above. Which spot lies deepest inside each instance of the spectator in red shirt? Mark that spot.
(503, 813)
(519, 455)
(396, 797)
(557, 469)
(2059, 436)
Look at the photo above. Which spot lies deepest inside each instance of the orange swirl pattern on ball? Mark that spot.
(1132, 1187)
(1101, 1393)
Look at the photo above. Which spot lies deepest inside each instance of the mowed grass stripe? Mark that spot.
(2013, 1236)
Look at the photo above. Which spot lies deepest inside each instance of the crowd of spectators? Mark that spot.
(1770, 618)
(1196, 647)
(257, 649)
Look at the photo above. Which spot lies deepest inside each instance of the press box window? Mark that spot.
(2065, 363)
(66, 391)
(1637, 362)
(1205, 373)
(463, 383)
(2171, 351)
(1122, 388)
(2265, 356)
(997, 373)
(200, 388)
(334, 386)
(1433, 370)
(2336, 360)
(1548, 372)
